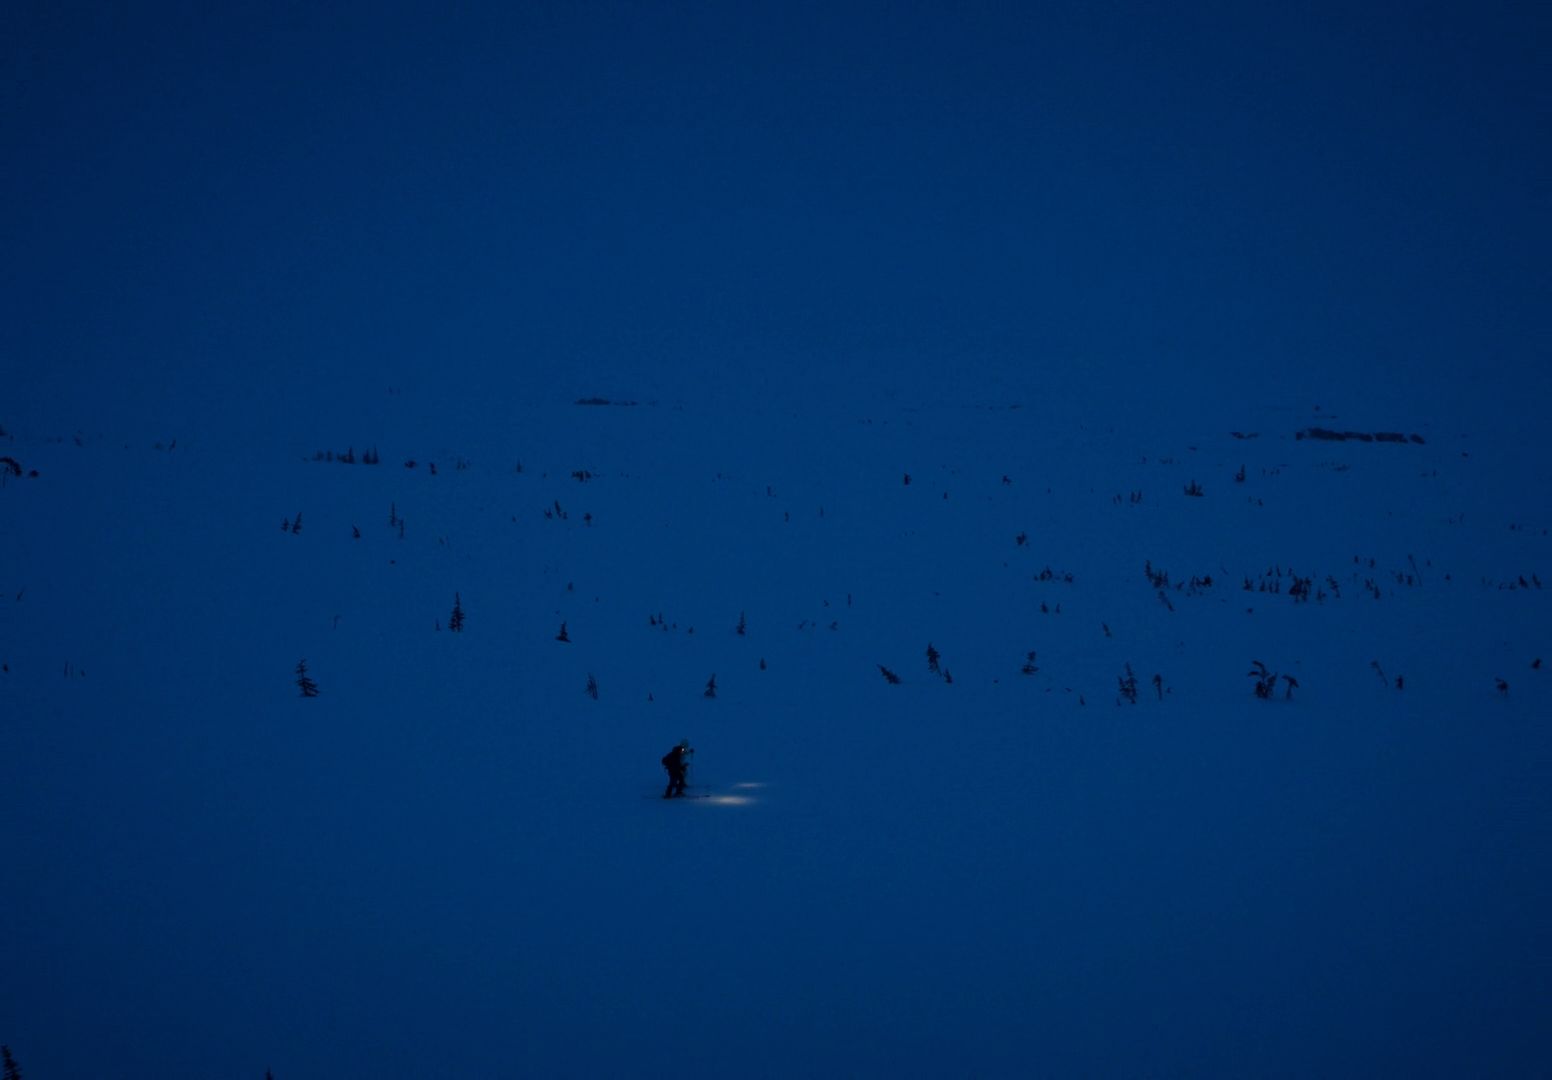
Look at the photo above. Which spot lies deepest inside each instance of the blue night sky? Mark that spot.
(201, 204)
(920, 324)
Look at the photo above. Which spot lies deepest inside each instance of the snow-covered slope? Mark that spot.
(452, 861)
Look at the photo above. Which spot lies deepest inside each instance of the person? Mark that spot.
(677, 762)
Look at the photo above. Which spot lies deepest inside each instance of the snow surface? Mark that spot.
(452, 862)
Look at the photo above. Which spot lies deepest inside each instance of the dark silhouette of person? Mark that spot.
(676, 762)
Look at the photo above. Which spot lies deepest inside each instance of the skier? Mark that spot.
(676, 761)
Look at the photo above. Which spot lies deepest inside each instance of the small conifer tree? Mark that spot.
(304, 682)
(455, 620)
(932, 660)
(889, 677)
(12, 1070)
(563, 636)
(711, 687)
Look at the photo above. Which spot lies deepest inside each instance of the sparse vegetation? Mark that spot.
(1266, 681)
(304, 681)
(1327, 435)
(368, 457)
(1128, 685)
